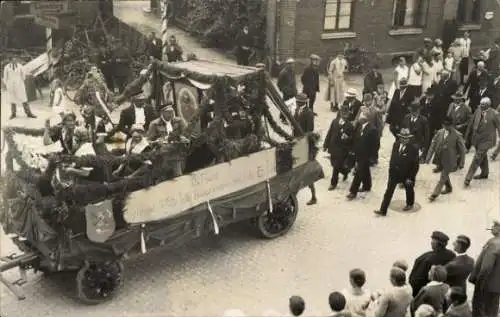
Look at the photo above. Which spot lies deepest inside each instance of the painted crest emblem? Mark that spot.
(100, 221)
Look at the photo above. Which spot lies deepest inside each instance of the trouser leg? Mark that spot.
(13, 110)
(444, 180)
(27, 109)
(313, 191)
(389, 192)
(367, 177)
(356, 182)
(485, 166)
(492, 303)
(410, 194)
(475, 164)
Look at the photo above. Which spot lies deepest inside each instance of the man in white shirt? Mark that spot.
(465, 45)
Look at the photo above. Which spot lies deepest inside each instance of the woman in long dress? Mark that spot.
(400, 71)
(15, 90)
(336, 82)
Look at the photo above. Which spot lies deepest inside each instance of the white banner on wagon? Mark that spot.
(172, 197)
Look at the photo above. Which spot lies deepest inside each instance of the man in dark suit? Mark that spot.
(419, 128)
(338, 142)
(352, 103)
(154, 47)
(139, 113)
(403, 168)
(477, 76)
(484, 90)
(439, 255)
(428, 103)
(372, 80)
(494, 59)
(495, 95)
(459, 269)
(398, 108)
(287, 83)
(305, 117)
(449, 148)
(365, 141)
(486, 277)
(459, 113)
(174, 50)
(445, 88)
(244, 47)
(482, 130)
(310, 80)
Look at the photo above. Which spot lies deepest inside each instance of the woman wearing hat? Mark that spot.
(336, 82)
(162, 126)
(403, 168)
(448, 147)
(136, 144)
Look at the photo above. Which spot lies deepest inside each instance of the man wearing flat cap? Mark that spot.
(287, 83)
(448, 149)
(403, 168)
(460, 267)
(310, 80)
(398, 108)
(305, 117)
(439, 255)
(161, 127)
(486, 276)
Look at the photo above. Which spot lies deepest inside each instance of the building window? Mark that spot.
(410, 13)
(469, 12)
(338, 15)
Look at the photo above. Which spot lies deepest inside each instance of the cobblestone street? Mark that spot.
(240, 271)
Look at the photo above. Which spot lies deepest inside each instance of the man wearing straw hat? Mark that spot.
(403, 168)
(486, 276)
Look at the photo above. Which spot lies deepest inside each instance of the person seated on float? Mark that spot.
(66, 133)
(177, 134)
(241, 126)
(136, 144)
(162, 127)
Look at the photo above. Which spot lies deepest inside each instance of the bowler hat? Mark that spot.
(290, 61)
(414, 106)
(405, 133)
(448, 121)
(301, 98)
(427, 40)
(351, 92)
(464, 239)
(403, 82)
(440, 236)
(315, 57)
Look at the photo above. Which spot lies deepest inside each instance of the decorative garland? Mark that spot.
(275, 126)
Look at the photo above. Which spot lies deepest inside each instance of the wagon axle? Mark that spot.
(23, 262)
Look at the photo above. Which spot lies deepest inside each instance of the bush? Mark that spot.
(219, 22)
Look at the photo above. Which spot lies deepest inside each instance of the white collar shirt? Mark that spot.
(140, 117)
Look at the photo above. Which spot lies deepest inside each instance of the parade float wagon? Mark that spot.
(191, 190)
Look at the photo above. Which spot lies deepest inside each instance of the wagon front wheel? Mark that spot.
(99, 282)
(278, 222)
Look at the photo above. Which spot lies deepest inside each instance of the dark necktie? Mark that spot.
(401, 150)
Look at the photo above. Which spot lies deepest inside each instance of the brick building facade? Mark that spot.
(389, 27)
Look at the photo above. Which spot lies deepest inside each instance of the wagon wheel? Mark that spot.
(98, 282)
(277, 223)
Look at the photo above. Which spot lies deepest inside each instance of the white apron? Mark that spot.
(13, 78)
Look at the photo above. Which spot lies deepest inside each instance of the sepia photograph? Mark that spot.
(250, 158)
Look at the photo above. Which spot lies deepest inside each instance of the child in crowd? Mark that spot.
(357, 298)
(401, 264)
(296, 305)
(381, 98)
(337, 304)
(449, 62)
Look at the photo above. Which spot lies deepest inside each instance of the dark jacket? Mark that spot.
(404, 165)
(337, 145)
(486, 272)
(287, 83)
(127, 119)
(459, 311)
(460, 116)
(433, 295)
(398, 108)
(310, 80)
(444, 90)
(477, 95)
(174, 53)
(473, 81)
(121, 61)
(419, 276)
(365, 143)
(427, 106)
(371, 81)
(354, 107)
(449, 152)
(305, 118)
(496, 93)
(459, 270)
(153, 49)
(420, 130)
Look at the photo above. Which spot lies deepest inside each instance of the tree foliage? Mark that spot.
(219, 22)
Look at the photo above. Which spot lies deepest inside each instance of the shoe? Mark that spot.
(332, 187)
(315, 114)
(446, 191)
(351, 196)
(345, 177)
(380, 213)
(436, 170)
(313, 201)
(481, 176)
(467, 183)
(408, 208)
(12, 116)
(493, 157)
(32, 116)
(432, 198)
